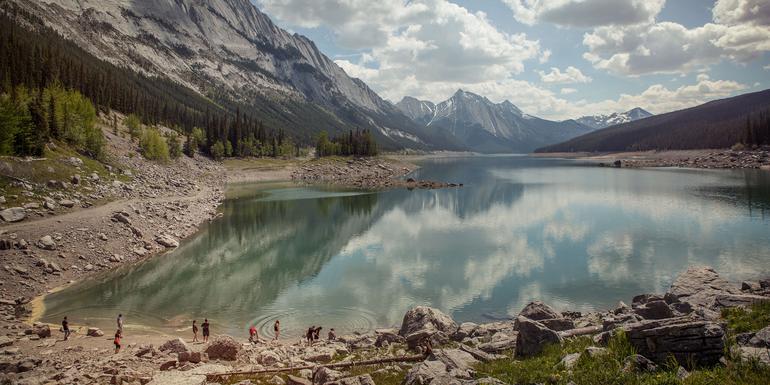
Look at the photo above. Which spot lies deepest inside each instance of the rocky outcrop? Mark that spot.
(422, 323)
(13, 214)
(537, 311)
(688, 339)
(533, 337)
(224, 348)
(177, 345)
(700, 286)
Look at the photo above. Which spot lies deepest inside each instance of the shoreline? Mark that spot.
(697, 159)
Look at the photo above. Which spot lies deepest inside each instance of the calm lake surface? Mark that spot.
(569, 233)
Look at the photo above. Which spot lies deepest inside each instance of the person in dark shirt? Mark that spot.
(65, 328)
(332, 335)
(317, 333)
(205, 326)
(309, 335)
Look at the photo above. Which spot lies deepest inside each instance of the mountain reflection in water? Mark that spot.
(573, 235)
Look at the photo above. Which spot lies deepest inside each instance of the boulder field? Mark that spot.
(432, 348)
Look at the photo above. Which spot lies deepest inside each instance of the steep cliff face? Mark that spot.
(475, 123)
(224, 48)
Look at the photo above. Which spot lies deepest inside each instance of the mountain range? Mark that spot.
(472, 122)
(228, 49)
(602, 121)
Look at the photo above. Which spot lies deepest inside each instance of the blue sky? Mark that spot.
(553, 58)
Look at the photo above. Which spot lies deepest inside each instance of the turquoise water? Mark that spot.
(571, 234)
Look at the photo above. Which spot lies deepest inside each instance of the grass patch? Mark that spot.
(608, 369)
(742, 320)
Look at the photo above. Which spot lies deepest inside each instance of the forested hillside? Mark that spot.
(742, 119)
(36, 63)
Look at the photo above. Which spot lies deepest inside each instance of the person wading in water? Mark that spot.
(195, 332)
(277, 329)
(205, 326)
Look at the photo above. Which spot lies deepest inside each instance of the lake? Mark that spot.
(569, 233)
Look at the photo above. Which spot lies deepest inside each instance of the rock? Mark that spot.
(426, 318)
(320, 354)
(558, 324)
(761, 339)
(13, 214)
(88, 267)
(538, 311)
(268, 358)
(389, 336)
(324, 375)
(533, 337)
(73, 161)
(224, 348)
(500, 345)
(194, 357)
(735, 300)
(49, 204)
(31, 206)
(688, 340)
(761, 355)
(657, 309)
(75, 179)
(5, 342)
(477, 353)
(167, 365)
(465, 330)
(275, 380)
(46, 243)
(458, 363)
(27, 365)
(593, 351)
(167, 241)
(569, 361)
(57, 184)
(177, 345)
(67, 203)
(294, 380)
(682, 373)
(638, 363)
(42, 330)
(428, 372)
(750, 286)
(699, 286)
(94, 332)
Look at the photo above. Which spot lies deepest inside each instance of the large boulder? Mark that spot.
(13, 214)
(319, 354)
(687, 339)
(324, 375)
(428, 372)
(533, 337)
(537, 311)
(224, 348)
(268, 357)
(699, 286)
(657, 309)
(177, 345)
(426, 318)
(458, 362)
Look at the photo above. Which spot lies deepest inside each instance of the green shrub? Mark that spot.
(217, 150)
(174, 145)
(153, 145)
(134, 125)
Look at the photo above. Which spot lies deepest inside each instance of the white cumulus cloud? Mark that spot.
(570, 75)
(585, 13)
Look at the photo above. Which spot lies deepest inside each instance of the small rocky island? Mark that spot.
(684, 326)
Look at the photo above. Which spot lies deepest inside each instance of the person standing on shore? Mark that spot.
(253, 335)
(65, 328)
(309, 335)
(277, 329)
(195, 332)
(118, 335)
(332, 335)
(120, 322)
(205, 330)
